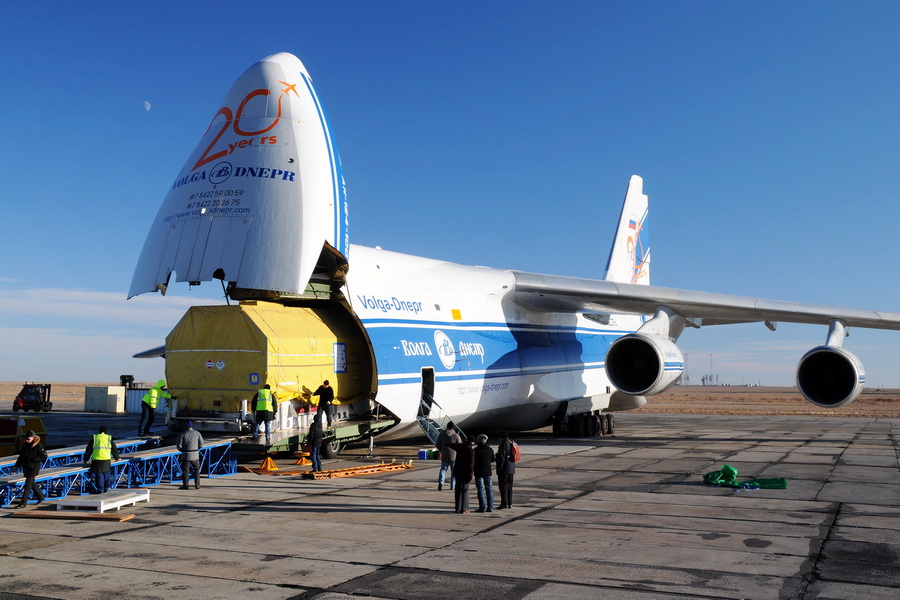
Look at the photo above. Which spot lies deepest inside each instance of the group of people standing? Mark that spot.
(466, 462)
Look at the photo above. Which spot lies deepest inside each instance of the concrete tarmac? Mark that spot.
(624, 516)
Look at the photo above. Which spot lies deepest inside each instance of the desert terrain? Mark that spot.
(693, 400)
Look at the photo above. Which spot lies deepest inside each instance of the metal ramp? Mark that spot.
(433, 420)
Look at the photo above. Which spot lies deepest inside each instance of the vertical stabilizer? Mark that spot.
(629, 258)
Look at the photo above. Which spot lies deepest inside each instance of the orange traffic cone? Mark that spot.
(268, 465)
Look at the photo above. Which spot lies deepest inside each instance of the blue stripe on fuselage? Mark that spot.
(482, 350)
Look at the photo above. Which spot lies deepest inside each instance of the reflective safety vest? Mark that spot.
(102, 447)
(264, 400)
(152, 397)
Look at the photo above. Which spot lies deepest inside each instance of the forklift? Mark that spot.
(34, 396)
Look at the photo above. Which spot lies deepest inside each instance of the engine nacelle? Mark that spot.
(829, 376)
(643, 365)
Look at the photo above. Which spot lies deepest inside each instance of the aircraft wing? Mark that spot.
(571, 294)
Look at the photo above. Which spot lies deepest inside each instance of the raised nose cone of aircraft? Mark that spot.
(259, 198)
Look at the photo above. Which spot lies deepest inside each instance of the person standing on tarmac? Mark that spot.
(189, 443)
(101, 451)
(448, 455)
(506, 469)
(326, 396)
(31, 457)
(315, 438)
(463, 471)
(484, 474)
(148, 406)
(265, 407)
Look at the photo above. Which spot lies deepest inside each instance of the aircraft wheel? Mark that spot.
(610, 424)
(594, 426)
(604, 425)
(557, 429)
(331, 449)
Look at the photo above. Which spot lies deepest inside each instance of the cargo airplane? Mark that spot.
(260, 205)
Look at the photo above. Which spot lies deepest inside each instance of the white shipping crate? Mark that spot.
(109, 398)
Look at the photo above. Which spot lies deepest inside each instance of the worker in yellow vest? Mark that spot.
(101, 451)
(148, 406)
(265, 406)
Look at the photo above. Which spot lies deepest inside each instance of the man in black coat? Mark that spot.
(314, 438)
(506, 470)
(463, 472)
(326, 396)
(484, 471)
(30, 459)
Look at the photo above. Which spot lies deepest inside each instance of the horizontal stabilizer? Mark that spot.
(158, 352)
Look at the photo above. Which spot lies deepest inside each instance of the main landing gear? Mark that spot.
(584, 425)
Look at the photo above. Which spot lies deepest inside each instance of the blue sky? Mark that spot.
(492, 133)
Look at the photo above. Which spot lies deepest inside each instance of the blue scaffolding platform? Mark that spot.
(61, 457)
(217, 459)
(59, 482)
(163, 465)
(138, 469)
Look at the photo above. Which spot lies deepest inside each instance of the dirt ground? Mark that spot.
(715, 400)
(697, 400)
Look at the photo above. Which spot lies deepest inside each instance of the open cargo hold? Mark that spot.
(217, 357)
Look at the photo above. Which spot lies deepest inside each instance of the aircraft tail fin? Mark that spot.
(629, 258)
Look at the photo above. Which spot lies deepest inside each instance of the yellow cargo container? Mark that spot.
(217, 356)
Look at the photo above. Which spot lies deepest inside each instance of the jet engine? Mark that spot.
(643, 365)
(830, 376)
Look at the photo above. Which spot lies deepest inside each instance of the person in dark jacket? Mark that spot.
(448, 455)
(326, 396)
(101, 451)
(30, 459)
(506, 469)
(463, 471)
(315, 438)
(484, 471)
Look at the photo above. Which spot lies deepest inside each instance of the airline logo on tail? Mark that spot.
(629, 259)
(638, 247)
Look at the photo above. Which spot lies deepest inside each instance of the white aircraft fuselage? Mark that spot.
(495, 364)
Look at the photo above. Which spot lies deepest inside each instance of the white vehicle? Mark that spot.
(260, 205)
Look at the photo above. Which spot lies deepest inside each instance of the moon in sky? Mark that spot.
(146, 105)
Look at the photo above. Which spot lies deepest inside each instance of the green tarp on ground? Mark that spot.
(727, 477)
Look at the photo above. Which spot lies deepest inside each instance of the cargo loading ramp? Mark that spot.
(336, 437)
